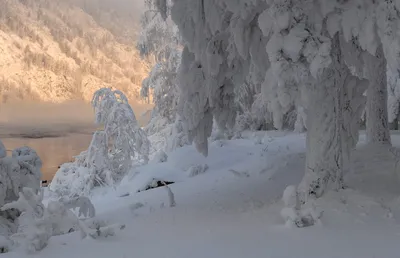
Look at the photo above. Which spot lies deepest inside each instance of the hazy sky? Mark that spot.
(132, 7)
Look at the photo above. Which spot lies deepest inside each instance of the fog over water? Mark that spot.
(56, 131)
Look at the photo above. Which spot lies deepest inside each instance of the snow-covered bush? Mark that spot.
(197, 170)
(30, 167)
(22, 169)
(160, 157)
(296, 215)
(37, 223)
(112, 152)
(33, 230)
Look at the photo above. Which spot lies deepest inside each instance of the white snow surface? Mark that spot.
(233, 209)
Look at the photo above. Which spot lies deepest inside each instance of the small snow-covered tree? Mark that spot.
(103, 101)
(159, 39)
(123, 136)
(112, 152)
(126, 137)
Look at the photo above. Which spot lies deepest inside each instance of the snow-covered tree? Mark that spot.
(103, 101)
(127, 138)
(393, 86)
(301, 47)
(159, 39)
(162, 82)
(112, 152)
(123, 137)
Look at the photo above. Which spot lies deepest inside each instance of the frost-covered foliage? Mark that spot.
(112, 152)
(34, 229)
(226, 48)
(252, 109)
(103, 102)
(126, 137)
(197, 170)
(294, 214)
(393, 86)
(162, 82)
(37, 223)
(159, 39)
(159, 36)
(313, 60)
(30, 167)
(22, 169)
(160, 157)
(123, 136)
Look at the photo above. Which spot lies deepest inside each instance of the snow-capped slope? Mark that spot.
(233, 208)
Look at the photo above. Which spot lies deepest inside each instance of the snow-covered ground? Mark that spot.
(232, 210)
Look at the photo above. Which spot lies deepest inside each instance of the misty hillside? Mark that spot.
(56, 50)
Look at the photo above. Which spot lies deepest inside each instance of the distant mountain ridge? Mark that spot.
(57, 50)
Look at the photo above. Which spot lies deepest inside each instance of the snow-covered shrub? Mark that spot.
(5, 244)
(85, 206)
(20, 170)
(33, 230)
(30, 167)
(178, 137)
(37, 223)
(72, 178)
(90, 169)
(160, 157)
(62, 220)
(112, 152)
(197, 170)
(296, 215)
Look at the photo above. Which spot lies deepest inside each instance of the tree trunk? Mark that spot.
(394, 125)
(332, 125)
(377, 127)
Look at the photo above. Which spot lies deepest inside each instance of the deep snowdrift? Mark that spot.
(233, 208)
